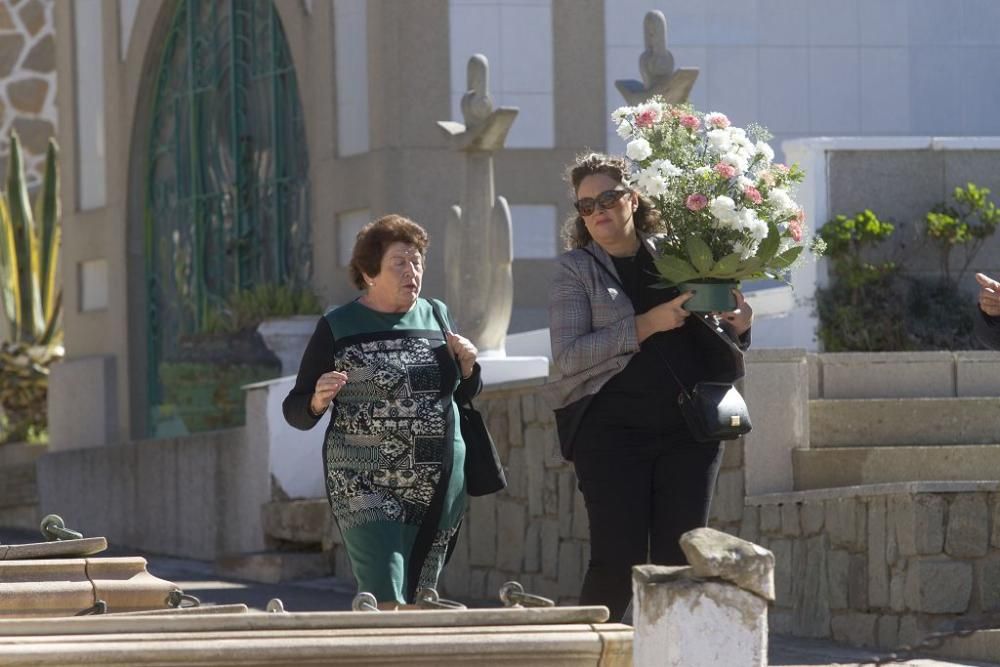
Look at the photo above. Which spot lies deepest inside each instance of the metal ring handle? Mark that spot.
(512, 595)
(364, 601)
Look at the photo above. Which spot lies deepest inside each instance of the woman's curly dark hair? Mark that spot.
(376, 237)
(574, 231)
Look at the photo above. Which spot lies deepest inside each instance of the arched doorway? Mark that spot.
(225, 209)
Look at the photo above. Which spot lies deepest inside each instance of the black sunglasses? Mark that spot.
(605, 200)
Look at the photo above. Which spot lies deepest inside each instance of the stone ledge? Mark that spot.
(774, 355)
(869, 490)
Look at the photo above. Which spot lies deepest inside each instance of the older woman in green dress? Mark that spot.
(393, 454)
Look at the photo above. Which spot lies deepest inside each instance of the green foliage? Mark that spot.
(967, 225)
(248, 308)
(29, 252)
(30, 297)
(870, 307)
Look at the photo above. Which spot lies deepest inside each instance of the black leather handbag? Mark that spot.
(484, 473)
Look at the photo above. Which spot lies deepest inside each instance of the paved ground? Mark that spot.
(198, 578)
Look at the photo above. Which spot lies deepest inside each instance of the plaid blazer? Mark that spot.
(592, 328)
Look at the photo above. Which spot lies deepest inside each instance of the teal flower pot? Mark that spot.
(710, 297)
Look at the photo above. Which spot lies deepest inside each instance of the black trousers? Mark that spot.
(641, 495)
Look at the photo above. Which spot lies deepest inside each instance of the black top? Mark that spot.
(642, 398)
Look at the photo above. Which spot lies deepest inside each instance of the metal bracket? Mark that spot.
(428, 598)
(54, 529)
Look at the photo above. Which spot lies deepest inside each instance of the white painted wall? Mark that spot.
(516, 38)
(89, 52)
(824, 67)
(534, 231)
(350, 27)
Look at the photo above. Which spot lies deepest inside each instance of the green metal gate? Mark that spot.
(225, 205)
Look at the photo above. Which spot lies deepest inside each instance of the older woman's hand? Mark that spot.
(989, 295)
(327, 387)
(465, 352)
(742, 317)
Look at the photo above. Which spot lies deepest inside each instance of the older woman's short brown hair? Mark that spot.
(375, 237)
(574, 231)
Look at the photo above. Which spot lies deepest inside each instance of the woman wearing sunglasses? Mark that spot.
(644, 479)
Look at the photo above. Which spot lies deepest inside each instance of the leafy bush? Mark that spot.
(248, 308)
(870, 307)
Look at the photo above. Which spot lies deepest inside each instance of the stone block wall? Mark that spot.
(27, 80)
(880, 565)
(536, 530)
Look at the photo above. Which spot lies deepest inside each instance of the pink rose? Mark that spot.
(780, 168)
(696, 202)
(725, 170)
(690, 122)
(795, 229)
(753, 194)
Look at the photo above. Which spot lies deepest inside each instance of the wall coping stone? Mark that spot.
(886, 357)
(772, 355)
(895, 143)
(870, 490)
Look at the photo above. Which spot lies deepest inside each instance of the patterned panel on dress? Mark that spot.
(389, 378)
(396, 449)
(341, 455)
(427, 449)
(424, 378)
(403, 408)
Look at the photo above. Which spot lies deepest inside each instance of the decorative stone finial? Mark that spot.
(656, 67)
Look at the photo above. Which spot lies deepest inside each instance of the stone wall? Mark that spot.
(535, 531)
(880, 565)
(27, 80)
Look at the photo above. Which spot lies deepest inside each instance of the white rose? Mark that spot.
(701, 171)
(652, 182)
(638, 150)
(624, 129)
(743, 182)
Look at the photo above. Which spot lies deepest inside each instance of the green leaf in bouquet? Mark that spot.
(727, 266)
(785, 259)
(674, 269)
(700, 254)
(769, 246)
(750, 266)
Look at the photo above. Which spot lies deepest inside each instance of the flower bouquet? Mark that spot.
(727, 206)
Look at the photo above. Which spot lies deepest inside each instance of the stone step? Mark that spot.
(903, 421)
(275, 567)
(854, 466)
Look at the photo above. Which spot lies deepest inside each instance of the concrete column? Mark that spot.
(711, 613)
(776, 388)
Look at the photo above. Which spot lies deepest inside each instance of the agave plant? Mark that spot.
(30, 296)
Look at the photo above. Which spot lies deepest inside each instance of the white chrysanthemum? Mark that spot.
(743, 182)
(638, 150)
(624, 129)
(779, 199)
(652, 182)
(702, 171)
(667, 168)
(724, 210)
(764, 148)
(719, 140)
(738, 160)
(618, 115)
(746, 250)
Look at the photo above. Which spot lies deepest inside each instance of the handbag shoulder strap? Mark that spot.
(439, 316)
(658, 352)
